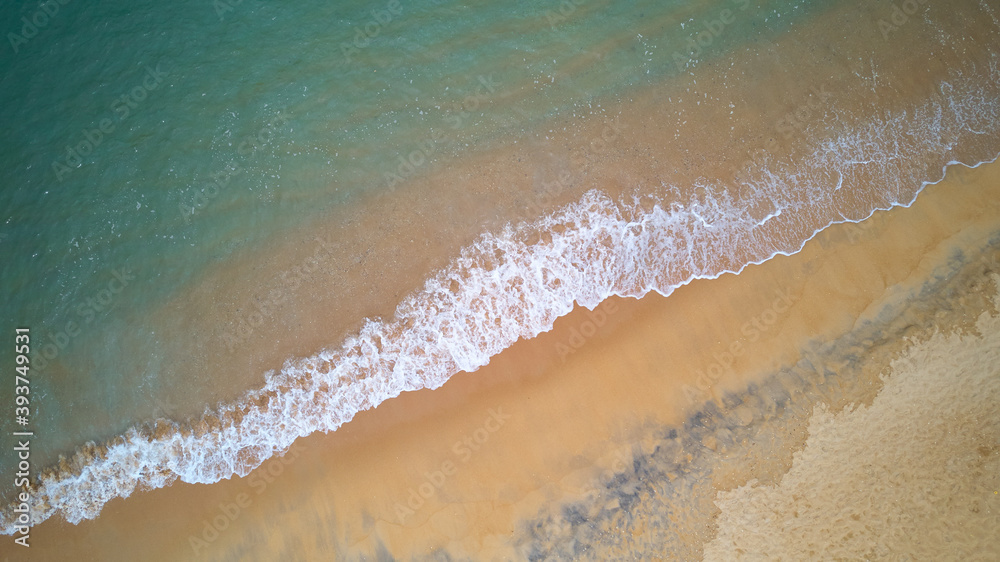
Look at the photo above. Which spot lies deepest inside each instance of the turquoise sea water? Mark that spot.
(147, 143)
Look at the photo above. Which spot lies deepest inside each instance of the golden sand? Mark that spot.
(915, 475)
(550, 424)
(711, 123)
(596, 435)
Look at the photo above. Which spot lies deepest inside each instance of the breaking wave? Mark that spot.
(516, 283)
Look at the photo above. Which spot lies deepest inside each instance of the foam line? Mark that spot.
(515, 283)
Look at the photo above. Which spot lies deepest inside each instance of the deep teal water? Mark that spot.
(225, 124)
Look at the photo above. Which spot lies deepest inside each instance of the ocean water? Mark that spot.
(224, 127)
(150, 144)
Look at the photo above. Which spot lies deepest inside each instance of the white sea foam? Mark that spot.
(516, 283)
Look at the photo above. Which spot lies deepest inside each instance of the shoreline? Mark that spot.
(294, 375)
(466, 303)
(370, 465)
(484, 191)
(318, 309)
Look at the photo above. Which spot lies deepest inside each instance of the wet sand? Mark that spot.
(915, 475)
(252, 313)
(554, 436)
(597, 433)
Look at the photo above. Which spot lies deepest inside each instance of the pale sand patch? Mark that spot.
(631, 375)
(914, 476)
(570, 423)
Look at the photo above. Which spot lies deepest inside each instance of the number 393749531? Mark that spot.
(22, 360)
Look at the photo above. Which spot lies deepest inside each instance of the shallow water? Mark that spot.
(635, 161)
(224, 128)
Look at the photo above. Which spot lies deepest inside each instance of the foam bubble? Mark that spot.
(516, 283)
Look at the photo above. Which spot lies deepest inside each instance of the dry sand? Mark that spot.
(602, 451)
(613, 434)
(914, 476)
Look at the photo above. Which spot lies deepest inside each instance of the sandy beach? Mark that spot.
(662, 144)
(522, 455)
(712, 418)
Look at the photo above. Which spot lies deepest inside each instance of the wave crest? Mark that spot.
(516, 283)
